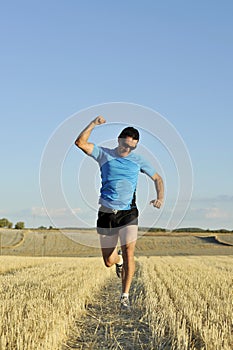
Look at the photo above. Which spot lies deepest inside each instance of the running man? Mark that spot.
(118, 213)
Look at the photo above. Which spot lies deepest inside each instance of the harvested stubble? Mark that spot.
(40, 303)
(189, 301)
(186, 303)
(9, 264)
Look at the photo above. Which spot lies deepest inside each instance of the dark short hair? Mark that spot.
(131, 132)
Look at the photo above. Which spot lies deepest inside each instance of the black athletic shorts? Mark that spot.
(108, 222)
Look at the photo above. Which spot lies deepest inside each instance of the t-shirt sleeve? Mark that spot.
(147, 168)
(96, 153)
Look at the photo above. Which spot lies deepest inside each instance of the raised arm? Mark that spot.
(82, 140)
(157, 203)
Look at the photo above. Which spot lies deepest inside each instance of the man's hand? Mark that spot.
(157, 203)
(99, 120)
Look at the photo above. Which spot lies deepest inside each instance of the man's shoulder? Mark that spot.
(140, 160)
(108, 151)
(103, 152)
(136, 157)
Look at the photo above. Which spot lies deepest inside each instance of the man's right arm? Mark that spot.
(82, 140)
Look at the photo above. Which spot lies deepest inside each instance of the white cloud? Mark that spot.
(76, 210)
(36, 211)
(54, 212)
(209, 213)
(215, 213)
(212, 217)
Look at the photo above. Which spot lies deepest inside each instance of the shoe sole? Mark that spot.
(125, 309)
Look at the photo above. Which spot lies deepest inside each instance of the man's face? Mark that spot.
(126, 145)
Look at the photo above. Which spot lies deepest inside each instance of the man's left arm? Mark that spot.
(159, 187)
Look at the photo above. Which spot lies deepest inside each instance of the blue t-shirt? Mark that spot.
(119, 176)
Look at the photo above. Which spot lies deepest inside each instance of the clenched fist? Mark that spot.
(99, 120)
(157, 203)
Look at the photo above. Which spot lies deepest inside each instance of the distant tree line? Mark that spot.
(197, 229)
(5, 223)
(152, 229)
(184, 229)
(45, 228)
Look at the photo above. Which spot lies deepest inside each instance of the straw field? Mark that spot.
(189, 301)
(42, 297)
(72, 303)
(77, 243)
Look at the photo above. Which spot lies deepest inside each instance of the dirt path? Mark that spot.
(106, 327)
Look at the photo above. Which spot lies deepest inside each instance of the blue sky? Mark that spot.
(62, 57)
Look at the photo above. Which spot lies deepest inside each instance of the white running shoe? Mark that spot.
(125, 304)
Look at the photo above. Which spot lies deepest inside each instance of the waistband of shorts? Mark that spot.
(104, 209)
(108, 210)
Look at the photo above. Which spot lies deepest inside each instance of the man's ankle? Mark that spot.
(124, 295)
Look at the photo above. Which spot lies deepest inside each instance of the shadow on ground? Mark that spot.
(214, 240)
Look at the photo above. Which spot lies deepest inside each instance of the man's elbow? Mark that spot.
(86, 147)
(79, 143)
(157, 177)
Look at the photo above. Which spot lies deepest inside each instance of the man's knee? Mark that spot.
(108, 262)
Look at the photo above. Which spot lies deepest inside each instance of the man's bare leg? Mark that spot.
(128, 238)
(109, 249)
